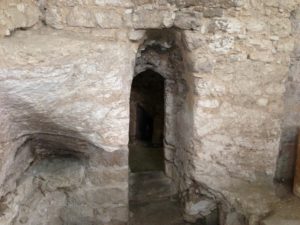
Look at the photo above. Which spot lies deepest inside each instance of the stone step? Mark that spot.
(164, 212)
(149, 186)
(286, 213)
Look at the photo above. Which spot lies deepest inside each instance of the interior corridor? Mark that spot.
(152, 201)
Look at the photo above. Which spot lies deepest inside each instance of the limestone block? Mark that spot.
(81, 17)
(221, 43)
(22, 15)
(203, 207)
(193, 40)
(108, 177)
(261, 44)
(18, 18)
(110, 159)
(152, 18)
(213, 12)
(136, 35)
(256, 25)
(119, 3)
(263, 56)
(109, 19)
(286, 45)
(262, 101)
(229, 25)
(110, 196)
(187, 20)
(55, 17)
(209, 88)
(209, 103)
(59, 174)
(280, 27)
(202, 65)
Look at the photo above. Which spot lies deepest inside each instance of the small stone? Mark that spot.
(187, 20)
(213, 12)
(221, 43)
(204, 207)
(81, 17)
(213, 103)
(109, 19)
(136, 35)
(262, 102)
(263, 56)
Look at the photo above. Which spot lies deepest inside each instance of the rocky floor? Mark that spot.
(144, 157)
(152, 201)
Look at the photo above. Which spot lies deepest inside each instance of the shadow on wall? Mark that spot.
(290, 127)
(286, 161)
(57, 176)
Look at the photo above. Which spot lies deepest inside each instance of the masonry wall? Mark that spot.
(290, 124)
(65, 75)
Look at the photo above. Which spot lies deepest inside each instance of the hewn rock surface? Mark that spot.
(231, 70)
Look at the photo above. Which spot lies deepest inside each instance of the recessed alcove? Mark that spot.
(147, 122)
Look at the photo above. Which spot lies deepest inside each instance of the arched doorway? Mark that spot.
(147, 122)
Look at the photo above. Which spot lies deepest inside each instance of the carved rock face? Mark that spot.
(66, 67)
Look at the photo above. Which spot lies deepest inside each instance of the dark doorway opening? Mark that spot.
(147, 122)
(144, 125)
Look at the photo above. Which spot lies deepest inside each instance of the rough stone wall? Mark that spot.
(71, 105)
(71, 78)
(290, 125)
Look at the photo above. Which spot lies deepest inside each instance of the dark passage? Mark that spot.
(147, 123)
(144, 125)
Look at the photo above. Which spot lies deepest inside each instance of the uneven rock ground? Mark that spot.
(152, 200)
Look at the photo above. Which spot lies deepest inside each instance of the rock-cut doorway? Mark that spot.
(147, 116)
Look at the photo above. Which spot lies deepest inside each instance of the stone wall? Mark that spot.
(65, 86)
(64, 105)
(290, 125)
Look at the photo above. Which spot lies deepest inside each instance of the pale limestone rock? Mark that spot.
(263, 56)
(262, 102)
(229, 25)
(66, 90)
(203, 65)
(152, 18)
(188, 20)
(109, 19)
(255, 25)
(136, 35)
(54, 17)
(213, 12)
(207, 103)
(81, 17)
(120, 3)
(280, 27)
(193, 40)
(221, 43)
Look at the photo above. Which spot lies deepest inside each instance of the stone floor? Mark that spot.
(152, 201)
(144, 157)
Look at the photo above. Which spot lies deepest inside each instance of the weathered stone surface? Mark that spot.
(232, 89)
(74, 146)
(152, 18)
(14, 16)
(188, 20)
(136, 35)
(109, 19)
(82, 17)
